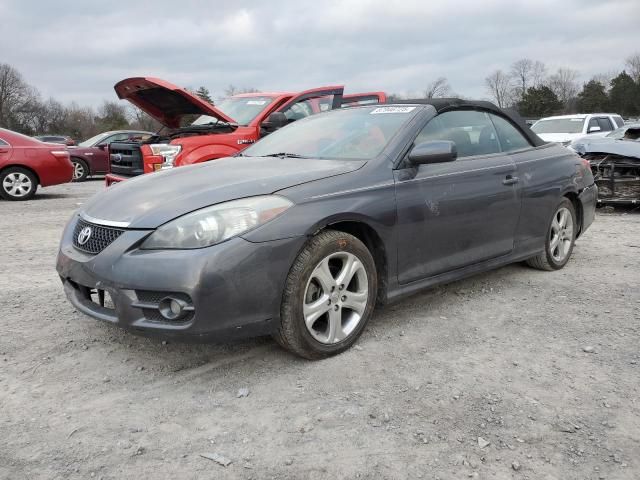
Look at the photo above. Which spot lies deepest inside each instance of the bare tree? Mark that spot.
(499, 87)
(527, 73)
(438, 88)
(633, 65)
(139, 119)
(14, 92)
(564, 84)
(605, 79)
(232, 90)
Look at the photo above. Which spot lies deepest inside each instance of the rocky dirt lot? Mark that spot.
(511, 374)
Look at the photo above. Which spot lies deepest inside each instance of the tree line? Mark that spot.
(526, 86)
(23, 110)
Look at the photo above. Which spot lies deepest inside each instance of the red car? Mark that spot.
(197, 131)
(91, 157)
(26, 163)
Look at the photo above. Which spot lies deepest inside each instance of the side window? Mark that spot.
(2, 142)
(471, 131)
(116, 138)
(605, 124)
(592, 123)
(509, 136)
(298, 110)
(619, 121)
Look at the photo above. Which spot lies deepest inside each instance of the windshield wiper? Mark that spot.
(284, 155)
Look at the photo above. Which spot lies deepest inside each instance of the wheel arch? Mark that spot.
(577, 205)
(374, 243)
(84, 160)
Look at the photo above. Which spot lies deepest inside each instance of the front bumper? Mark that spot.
(234, 289)
(588, 200)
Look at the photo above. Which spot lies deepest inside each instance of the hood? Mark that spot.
(164, 101)
(622, 148)
(559, 137)
(150, 200)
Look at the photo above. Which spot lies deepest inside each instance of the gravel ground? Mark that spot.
(482, 378)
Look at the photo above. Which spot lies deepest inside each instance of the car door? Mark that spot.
(454, 214)
(100, 161)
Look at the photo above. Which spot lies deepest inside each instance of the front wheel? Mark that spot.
(17, 183)
(329, 296)
(80, 169)
(560, 239)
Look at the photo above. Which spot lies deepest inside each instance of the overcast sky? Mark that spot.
(76, 50)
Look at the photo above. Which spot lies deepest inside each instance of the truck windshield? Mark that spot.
(359, 133)
(242, 109)
(559, 125)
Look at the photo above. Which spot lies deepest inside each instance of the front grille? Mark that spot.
(125, 158)
(100, 237)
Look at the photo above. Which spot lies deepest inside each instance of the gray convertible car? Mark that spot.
(305, 232)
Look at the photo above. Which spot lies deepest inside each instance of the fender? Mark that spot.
(205, 153)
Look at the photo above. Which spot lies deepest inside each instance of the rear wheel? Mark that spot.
(329, 296)
(80, 169)
(17, 183)
(560, 239)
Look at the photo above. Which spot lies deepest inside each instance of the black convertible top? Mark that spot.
(445, 104)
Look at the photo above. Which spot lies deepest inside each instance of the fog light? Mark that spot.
(172, 308)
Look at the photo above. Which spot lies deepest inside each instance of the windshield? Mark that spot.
(94, 140)
(559, 125)
(355, 133)
(242, 109)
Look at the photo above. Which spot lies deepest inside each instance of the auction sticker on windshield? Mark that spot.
(391, 110)
(256, 102)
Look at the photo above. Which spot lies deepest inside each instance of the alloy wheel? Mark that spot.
(17, 184)
(78, 170)
(335, 297)
(561, 235)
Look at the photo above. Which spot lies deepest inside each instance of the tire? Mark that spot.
(559, 240)
(335, 311)
(80, 169)
(17, 183)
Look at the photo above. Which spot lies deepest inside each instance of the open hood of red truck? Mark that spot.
(164, 101)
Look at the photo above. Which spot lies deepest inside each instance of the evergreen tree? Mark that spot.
(593, 98)
(539, 102)
(624, 95)
(204, 94)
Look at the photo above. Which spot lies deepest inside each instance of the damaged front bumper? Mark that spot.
(617, 177)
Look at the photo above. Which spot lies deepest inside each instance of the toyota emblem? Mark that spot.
(84, 235)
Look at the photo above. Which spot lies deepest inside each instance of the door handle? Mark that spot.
(510, 180)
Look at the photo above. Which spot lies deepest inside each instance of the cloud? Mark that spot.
(77, 50)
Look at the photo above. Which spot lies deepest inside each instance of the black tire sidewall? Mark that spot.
(85, 166)
(320, 250)
(34, 184)
(566, 203)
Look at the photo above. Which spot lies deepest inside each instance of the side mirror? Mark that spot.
(275, 121)
(436, 151)
(594, 129)
(102, 146)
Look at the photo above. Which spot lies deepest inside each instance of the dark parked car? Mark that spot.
(62, 139)
(91, 157)
(304, 232)
(26, 163)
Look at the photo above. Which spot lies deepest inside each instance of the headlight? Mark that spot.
(167, 152)
(215, 224)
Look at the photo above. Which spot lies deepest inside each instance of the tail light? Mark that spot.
(60, 154)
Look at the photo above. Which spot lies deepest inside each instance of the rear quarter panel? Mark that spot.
(546, 174)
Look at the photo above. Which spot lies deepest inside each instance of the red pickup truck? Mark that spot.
(195, 131)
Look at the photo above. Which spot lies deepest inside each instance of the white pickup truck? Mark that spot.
(566, 128)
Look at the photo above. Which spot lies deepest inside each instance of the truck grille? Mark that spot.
(125, 159)
(100, 237)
